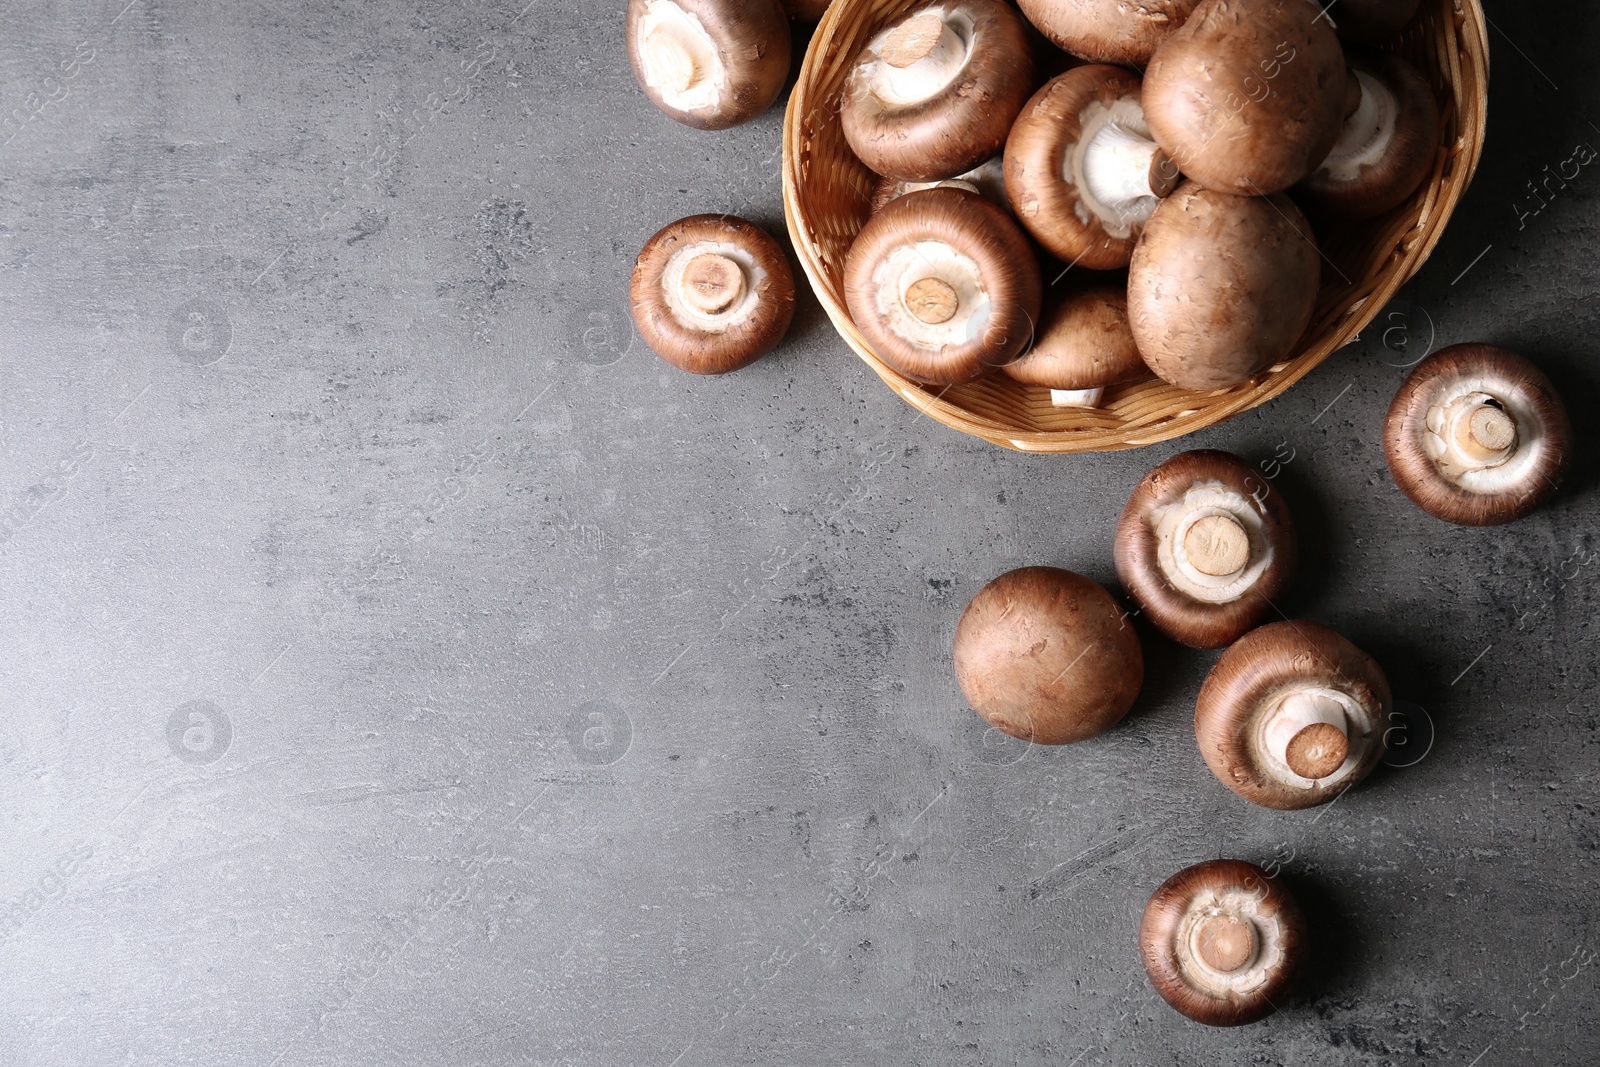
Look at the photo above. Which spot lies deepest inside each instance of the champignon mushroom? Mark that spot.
(1477, 436)
(806, 10)
(1223, 942)
(1083, 345)
(1081, 170)
(988, 180)
(712, 293)
(709, 64)
(944, 286)
(1108, 31)
(1372, 21)
(1292, 715)
(1386, 149)
(1221, 287)
(933, 95)
(1205, 546)
(1045, 655)
(1248, 95)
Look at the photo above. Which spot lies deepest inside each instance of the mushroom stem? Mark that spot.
(1367, 130)
(1120, 167)
(1227, 943)
(915, 39)
(712, 283)
(1077, 398)
(920, 57)
(670, 61)
(932, 300)
(679, 56)
(1310, 733)
(1481, 430)
(1217, 545)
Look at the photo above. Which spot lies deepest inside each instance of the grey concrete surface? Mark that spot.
(402, 665)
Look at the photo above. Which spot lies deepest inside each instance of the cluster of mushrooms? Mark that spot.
(1180, 191)
(1292, 714)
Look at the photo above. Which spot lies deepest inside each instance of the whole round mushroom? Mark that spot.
(943, 285)
(712, 293)
(1108, 31)
(1082, 346)
(1221, 287)
(933, 95)
(1248, 96)
(1372, 21)
(1045, 655)
(1223, 942)
(709, 64)
(1292, 715)
(1477, 436)
(1205, 547)
(1082, 173)
(1387, 146)
(987, 179)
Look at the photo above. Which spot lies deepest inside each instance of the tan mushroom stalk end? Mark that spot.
(1309, 733)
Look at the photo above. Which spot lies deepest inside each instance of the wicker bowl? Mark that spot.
(826, 194)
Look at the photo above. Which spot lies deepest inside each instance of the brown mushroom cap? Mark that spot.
(1386, 147)
(806, 10)
(1205, 546)
(1223, 942)
(1372, 21)
(943, 285)
(1083, 343)
(709, 64)
(988, 180)
(1082, 173)
(712, 293)
(1248, 95)
(1477, 436)
(1221, 287)
(934, 94)
(1108, 31)
(1045, 655)
(1260, 715)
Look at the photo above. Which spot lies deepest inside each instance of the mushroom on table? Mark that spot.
(1082, 173)
(933, 95)
(1205, 546)
(1223, 942)
(712, 293)
(1387, 145)
(710, 64)
(1292, 715)
(1477, 436)
(1046, 655)
(943, 285)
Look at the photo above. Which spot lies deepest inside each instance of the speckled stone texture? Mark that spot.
(402, 665)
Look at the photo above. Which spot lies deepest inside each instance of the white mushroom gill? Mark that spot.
(1114, 166)
(681, 61)
(931, 295)
(1367, 133)
(987, 180)
(918, 59)
(1211, 544)
(1213, 964)
(1296, 710)
(1481, 435)
(712, 286)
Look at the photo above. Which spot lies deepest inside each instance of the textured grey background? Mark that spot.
(401, 665)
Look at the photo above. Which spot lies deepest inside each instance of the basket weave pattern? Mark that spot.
(827, 193)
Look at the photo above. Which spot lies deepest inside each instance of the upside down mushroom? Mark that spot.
(1477, 436)
(1046, 655)
(943, 285)
(1292, 715)
(710, 64)
(1205, 546)
(934, 94)
(1223, 942)
(712, 293)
